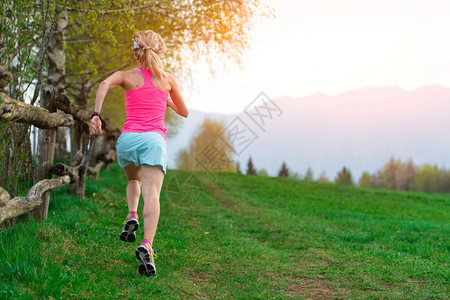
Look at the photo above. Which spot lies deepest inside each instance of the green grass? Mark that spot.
(234, 236)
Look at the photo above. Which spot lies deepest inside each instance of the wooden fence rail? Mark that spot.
(12, 110)
(48, 119)
(17, 206)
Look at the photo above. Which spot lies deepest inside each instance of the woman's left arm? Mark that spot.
(177, 101)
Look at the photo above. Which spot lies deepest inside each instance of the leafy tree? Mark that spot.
(344, 177)
(238, 168)
(309, 175)
(427, 180)
(390, 174)
(263, 173)
(192, 31)
(250, 168)
(25, 30)
(323, 178)
(207, 151)
(407, 176)
(366, 180)
(294, 175)
(284, 172)
(396, 175)
(445, 183)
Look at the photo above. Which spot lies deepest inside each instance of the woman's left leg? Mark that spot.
(133, 174)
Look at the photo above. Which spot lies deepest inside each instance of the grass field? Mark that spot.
(235, 237)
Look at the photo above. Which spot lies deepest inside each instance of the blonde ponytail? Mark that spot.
(147, 45)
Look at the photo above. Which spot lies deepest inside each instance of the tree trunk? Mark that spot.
(60, 145)
(57, 55)
(56, 75)
(45, 152)
(5, 77)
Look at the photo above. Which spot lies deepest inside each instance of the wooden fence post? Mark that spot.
(45, 152)
(84, 164)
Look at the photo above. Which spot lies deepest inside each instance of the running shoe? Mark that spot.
(146, 256)
(131, 224)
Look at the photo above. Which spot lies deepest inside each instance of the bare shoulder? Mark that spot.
(171, 79)
(121, 75)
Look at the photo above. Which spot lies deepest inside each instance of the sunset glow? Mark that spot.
(333, 46)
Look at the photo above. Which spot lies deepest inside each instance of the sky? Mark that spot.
(332, 46)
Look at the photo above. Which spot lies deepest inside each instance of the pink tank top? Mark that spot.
(146, 107)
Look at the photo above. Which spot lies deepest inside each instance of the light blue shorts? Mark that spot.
(142, 148)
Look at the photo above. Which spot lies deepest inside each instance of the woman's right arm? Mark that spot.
(177, 103)
(111, 82)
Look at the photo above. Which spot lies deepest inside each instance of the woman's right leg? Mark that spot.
(134, 177)
(152, 179)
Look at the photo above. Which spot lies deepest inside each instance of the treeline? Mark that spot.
(395, 175)
(405, 176)
(209, 150)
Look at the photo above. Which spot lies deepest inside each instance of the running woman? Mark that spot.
(141, 147)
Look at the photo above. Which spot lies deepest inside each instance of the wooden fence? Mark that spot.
(47, 119)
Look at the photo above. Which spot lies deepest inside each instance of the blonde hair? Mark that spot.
(147, 45)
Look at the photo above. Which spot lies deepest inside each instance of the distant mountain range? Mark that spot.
(360, 129)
